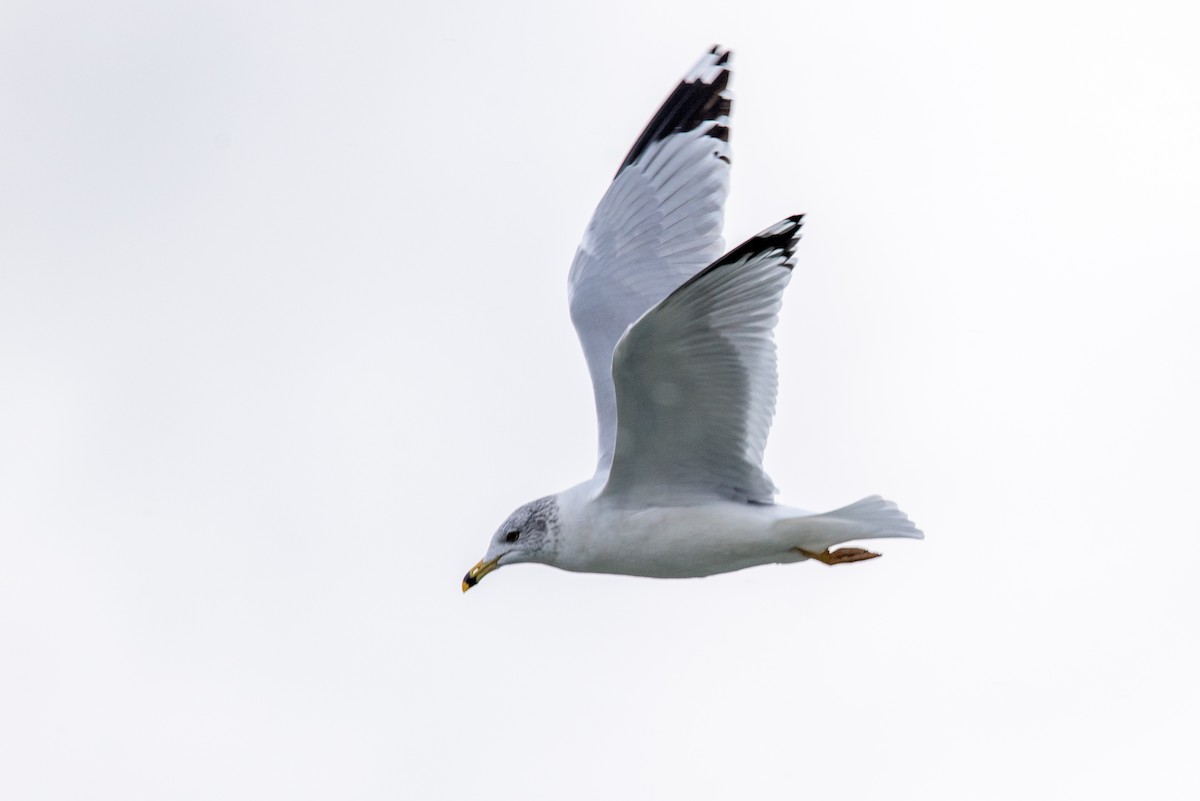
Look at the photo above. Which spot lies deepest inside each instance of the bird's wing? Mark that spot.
(658, 224)
(695, 381)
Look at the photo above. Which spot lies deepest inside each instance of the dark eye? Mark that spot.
(512, 536)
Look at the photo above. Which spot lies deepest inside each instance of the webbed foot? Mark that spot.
(840, 556)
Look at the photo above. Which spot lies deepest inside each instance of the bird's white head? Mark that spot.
(530, 534)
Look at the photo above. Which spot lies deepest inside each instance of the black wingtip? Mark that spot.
(781, 236)
(723, 54)
(699, 98)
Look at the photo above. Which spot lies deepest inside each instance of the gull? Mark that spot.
(679, 344)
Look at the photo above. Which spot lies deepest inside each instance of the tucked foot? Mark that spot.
(839, 556)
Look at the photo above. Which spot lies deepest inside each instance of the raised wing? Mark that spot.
(658, 224)
(695, 381)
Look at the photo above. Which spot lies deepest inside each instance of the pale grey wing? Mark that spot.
(695, 381)
(658, 224)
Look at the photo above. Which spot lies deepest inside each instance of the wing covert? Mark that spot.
(658, 224)
(696, 380)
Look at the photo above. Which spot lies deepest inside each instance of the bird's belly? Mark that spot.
(675, 542)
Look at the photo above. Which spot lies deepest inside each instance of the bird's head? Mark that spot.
(530, 534)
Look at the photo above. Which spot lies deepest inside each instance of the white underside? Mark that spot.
(707, 537)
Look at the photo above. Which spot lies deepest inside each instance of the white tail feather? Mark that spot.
(871, 518)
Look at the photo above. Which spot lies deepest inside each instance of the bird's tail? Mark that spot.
(871, 518)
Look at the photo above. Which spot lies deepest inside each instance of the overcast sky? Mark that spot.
(284, 337)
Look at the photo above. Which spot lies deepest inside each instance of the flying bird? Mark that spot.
(679, 343)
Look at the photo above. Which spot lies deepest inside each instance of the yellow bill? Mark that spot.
(478, 572)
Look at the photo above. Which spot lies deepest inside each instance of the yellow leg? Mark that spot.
(840, 556)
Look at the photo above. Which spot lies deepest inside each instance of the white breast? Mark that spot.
(667, 542)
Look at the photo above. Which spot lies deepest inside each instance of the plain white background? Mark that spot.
(284, 336)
